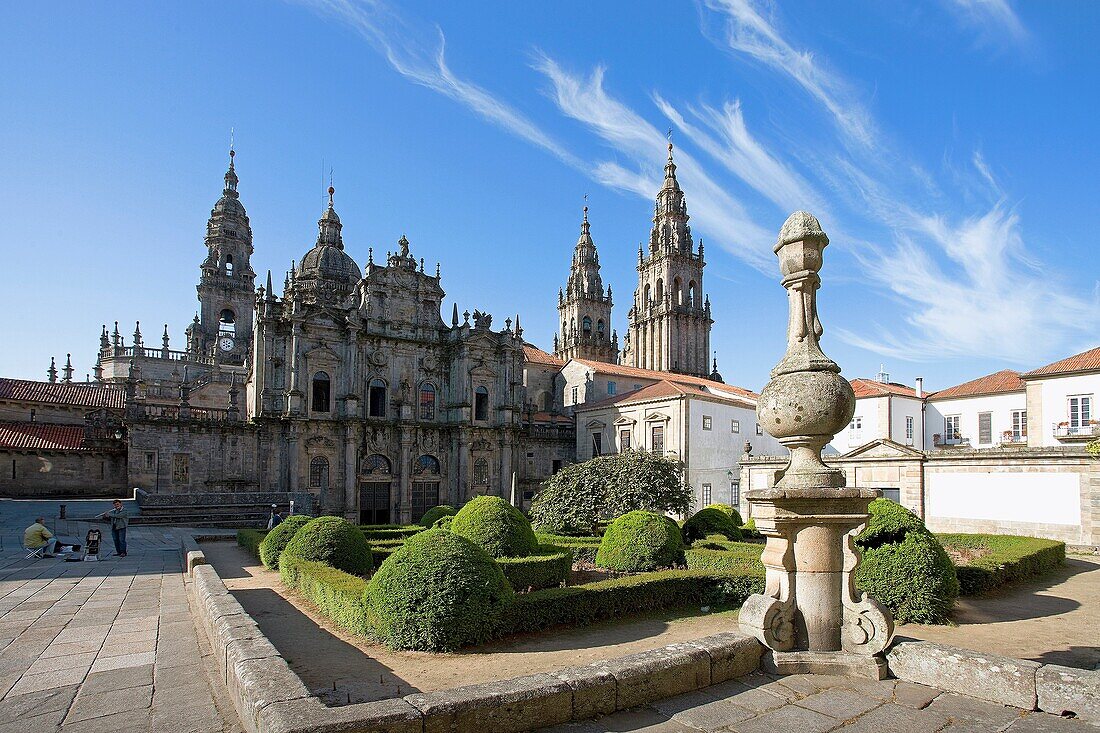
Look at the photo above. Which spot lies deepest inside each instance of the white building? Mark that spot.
(1061, 400)
(982, 413)
(884, 409)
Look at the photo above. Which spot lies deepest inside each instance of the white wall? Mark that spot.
(1055, 396)
(1004, 496)
(900, 408)
(577, 375)
(713, 456)
(1000, 406)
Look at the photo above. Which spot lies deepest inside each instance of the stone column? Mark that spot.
(811, 616)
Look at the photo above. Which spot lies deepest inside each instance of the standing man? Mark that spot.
(119, 520)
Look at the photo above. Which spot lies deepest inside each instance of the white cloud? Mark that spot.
(994, 20)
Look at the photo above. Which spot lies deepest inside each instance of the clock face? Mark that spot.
(226, 343)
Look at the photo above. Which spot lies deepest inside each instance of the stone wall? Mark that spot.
(69, 474)
(183, 456)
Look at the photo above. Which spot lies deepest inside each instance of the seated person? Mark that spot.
(37, 535)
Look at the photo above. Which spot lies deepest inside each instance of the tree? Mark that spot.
(578, 497)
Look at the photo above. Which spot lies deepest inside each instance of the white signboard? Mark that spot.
(1039, 497)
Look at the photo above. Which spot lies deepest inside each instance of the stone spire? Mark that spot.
(138, 343)
(164, 338)
(51, 373)
(67, 370)
(104, 340)
(326, 273)
(583, 308)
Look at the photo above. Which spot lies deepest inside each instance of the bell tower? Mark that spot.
(584, 309)
(227, 282)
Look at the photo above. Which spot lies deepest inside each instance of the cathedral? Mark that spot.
(347, 389)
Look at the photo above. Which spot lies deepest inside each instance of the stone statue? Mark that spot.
(482, 320)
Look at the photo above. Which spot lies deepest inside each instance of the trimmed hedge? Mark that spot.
(278, 538)
(729, 510)
(436, 513)
(583, 548)
(438, 592)
(904, 567)
(334, 541)
(1011, 558)
(250, 540)
(711, 521)
(639, 541)
(547, 567)
(612, 599)
(337, 594)
(495, 526)
(743, 559)
(389, 531)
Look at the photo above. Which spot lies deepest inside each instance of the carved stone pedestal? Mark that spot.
(811, 616)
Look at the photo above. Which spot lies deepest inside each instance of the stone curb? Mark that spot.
(985, 676)
(1064, 690)
(192, 554)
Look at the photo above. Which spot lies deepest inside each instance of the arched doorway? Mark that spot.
(375, 484)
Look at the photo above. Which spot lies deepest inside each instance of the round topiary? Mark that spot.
(334, 541)
(711, 520)
(436, 513)
(443, 523)
(904, 567)
(639, 541)
(730, 510)
(437, 592)
(496, 526)
(277, 539)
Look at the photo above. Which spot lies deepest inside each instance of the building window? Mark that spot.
(611, 388)
(637, 386)
(985, 428)
(624, 440)
(226, 320)
(321, 386)
(32, 415)
(181, 468)
(555, 465)
(376, 398)
(1019, 425)
(376, 465)
(759, 430)
(427, 402)
(735, 493)
(909, 430)
(706, 495)
(893, 495)
(229, 265)
(599, 328)
(951, 432)
(706, 422)
(481, 472)
(426, 465)
(597, 444)
(657, 439)
(318, 473)
(586, 326)
(735, 426)
(481, 404)
(1080, 413)
(575, 392)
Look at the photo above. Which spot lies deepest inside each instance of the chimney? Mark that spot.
(920, 387)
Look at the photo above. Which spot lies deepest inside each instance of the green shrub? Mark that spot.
(743, 559)
(639, 541)
(337, 594)
(276, 540)
(1010, 558)
(389, 531)
(728, 510)
(710, 521)
(613, 599)
(443, 523)
(250, 540)
(333, 541)
(548, 567)
(904, 567)
(583, 548)
(495, 526)
(436, 513)
(438, 592)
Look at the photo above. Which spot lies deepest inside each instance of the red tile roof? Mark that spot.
(550, 418)
(75, 394)
(1000, 382)
(665, 388)
(535, 355)
(41, 436)
(872, 388)
(1083, 362)
(680, 379)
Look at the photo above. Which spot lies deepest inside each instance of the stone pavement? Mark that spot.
(761, 703)
(105, 646)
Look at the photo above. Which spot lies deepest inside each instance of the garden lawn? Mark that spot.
(990, 561)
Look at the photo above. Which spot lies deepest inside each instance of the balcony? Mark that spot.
(1066, 433)
(1010, 439)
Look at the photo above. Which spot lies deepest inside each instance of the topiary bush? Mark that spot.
(333, 541)
(437, 592)
(904, 567)
(276, 540)
(436, 513)
(730, 510)
(547, 567)
(710, 521)
(639, 541)
(1010, 558)
(250, 539)
(496, 527)
(443, 523)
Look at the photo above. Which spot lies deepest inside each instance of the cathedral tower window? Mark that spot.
(692, 293)
(229, 265)
(376, 398)
(427, 401)
(586, 325)
(678, 287)
(481, 404)
(226, 320)
(321, 391)
(645, 303)
(660, 290)
(599, 328)
(318, 473)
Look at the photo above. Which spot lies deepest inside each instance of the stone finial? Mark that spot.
(454, 316)
(51, 373)
(67, 370)
(801, 225)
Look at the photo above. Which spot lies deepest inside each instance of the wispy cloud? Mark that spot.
(994, 20)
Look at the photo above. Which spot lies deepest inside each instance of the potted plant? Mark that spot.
(936, 439)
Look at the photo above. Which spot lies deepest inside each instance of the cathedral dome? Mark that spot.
(328, 260)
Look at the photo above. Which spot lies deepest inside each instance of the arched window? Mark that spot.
(678, 286)
(645, 303)
(564, 328)
(229, 265)
(660, 290)
(481, 472)
(691, 293)
(572, 325)
(426, 466)
(599, 327)
(427, 401)
(376, 464)
(318, 473)
(376, 398)
(546, 401)
(321, 385)
(481, 404)
(586, 326)
(226, 319)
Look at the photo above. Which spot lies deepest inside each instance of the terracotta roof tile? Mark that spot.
(535, 355)
(666, 388)
(1083, 362)
(76, 394)
(872, 388)
(41, 436)
(1000, 382)
(680, 379)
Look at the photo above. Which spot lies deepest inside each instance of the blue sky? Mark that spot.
(947, 147)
